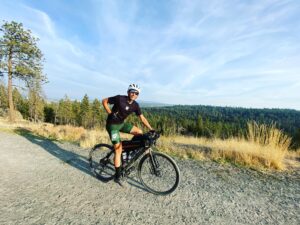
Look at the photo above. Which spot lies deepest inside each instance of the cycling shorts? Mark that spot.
(114, 131)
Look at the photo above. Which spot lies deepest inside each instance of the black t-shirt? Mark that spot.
(121, 109)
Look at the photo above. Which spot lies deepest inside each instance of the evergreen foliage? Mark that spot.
(204, 121)
(3, 96)
(221, 122)
(20, 58)
(85, 112)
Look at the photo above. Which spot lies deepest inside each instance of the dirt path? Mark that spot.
(44, 182)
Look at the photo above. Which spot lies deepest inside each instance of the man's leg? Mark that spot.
(136, 131)
(114, 135)
(117, 159)
(118, 152)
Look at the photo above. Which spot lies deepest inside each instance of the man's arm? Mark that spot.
(105, 105)
(145, 122)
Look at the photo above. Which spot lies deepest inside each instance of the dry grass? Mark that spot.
(292, 161)
(47, 130)
(268, 136)
(265, 147)
(294, 154)
(93, 137)
(85, 138)
(238, 151)
(183, 147)
(241, 151)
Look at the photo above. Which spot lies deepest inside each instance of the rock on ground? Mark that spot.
(44, 182)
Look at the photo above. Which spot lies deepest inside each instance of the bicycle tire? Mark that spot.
(101, 160)
(168, 178)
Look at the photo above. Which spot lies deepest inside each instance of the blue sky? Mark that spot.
(228, 53)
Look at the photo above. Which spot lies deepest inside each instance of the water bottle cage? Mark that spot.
(124, 157)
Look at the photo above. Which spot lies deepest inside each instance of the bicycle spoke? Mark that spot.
(101, 162)
(160, 176)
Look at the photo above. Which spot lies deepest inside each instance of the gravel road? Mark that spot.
(44, 182)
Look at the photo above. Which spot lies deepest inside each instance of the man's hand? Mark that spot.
(113, 116)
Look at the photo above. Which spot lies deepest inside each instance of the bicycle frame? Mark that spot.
(148, 163)
(138, 153)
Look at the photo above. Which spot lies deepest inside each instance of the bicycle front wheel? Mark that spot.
(159, 173)
(101, 159)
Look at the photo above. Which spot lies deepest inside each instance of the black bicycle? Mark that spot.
(157, 171)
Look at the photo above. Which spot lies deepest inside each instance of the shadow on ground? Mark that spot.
(73, 159)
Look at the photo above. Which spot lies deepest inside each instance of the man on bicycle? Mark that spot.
(123, 106)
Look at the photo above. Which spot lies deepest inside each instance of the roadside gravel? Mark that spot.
(44, 182)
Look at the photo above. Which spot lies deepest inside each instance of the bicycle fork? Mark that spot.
(154, 165)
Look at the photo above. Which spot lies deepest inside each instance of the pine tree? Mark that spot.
(85, 111)
(96, 113)
(36, 100)
(76, 113)
(49, 113)
(65, 113)
(20, 58)
(21, 104)
(3, 96)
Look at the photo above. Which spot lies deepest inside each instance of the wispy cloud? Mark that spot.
(237, 53)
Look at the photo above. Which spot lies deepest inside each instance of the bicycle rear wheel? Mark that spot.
(101, 159)
(159, 173)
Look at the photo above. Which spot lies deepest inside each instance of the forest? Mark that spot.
(21, 59)
(222, 122)
(191, 120)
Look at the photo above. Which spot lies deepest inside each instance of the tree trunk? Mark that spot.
(9, 90)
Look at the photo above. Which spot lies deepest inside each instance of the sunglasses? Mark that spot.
(134, 92)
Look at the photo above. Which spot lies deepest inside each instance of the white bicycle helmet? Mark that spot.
(134, 87)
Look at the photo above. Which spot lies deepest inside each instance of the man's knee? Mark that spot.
(136, 131)
(139, 131)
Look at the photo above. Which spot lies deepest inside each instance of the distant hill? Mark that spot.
(144, 104)
(147, 104)
(221, 121)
